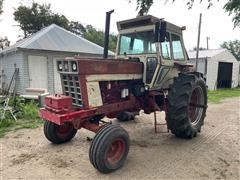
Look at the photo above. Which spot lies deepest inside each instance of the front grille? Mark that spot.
(71, 87)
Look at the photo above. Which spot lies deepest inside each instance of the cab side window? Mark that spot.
(165, 47)
(177, 47)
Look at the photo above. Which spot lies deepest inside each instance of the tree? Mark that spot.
(233, 47)
(143, 6)
(32, 19)
(1, 6)
(77, 28)
(97, 36)
(4, 42)
(232, 7)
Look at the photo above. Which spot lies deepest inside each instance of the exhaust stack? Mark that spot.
(106, 36)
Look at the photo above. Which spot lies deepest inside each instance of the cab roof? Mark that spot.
(145, 21)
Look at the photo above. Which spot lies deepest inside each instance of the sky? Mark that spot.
(216, 24)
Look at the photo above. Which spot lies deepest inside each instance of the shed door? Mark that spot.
(224, 75)
(57, 79)
(38, 73)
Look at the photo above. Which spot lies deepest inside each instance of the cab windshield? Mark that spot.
(137, 43)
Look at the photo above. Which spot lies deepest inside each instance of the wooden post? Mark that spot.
(198, 41)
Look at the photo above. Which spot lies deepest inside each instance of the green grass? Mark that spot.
(27, 118)
(218, 95)
(8, 125)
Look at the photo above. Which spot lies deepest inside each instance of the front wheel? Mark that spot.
(187, 103)
(109, 148)
(58, 134)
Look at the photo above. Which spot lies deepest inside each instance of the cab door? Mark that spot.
(166, 51)
(178, 53)
(171, 51)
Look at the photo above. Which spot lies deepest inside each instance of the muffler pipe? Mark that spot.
(106, 36)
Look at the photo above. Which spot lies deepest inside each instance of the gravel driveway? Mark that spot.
(213, 154)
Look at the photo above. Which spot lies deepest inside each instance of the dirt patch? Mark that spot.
(213, 154)
(22, 158)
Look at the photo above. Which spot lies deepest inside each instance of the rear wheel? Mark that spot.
(109, 148)
(125, 116)
(58, 134)
(187, 103)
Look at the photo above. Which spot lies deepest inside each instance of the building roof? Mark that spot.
(205, 53)
(55, 38)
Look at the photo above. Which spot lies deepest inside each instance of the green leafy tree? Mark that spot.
(233, 47)
(4, 42)
(143, 6)
(1, 6)
(32, 19)
(232, 7)
(77, 28)
(97, 36)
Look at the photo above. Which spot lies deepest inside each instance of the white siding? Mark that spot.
(50, 74)
(235, 74)
(7, 65)
(201, 64)
(212, 73)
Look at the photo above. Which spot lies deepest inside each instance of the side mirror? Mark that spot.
(163, 31)
(156, 31)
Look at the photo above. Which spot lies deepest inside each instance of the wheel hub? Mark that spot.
(115, 151)
(196, 101)
(63, 130)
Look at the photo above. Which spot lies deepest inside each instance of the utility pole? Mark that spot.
(207, 42)
(198, 41)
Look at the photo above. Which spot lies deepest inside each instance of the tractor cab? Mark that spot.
(154, 42)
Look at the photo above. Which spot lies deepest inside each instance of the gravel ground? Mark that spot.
(213, 154)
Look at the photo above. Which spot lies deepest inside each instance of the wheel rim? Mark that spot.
(196, 105)
(64, 130)
(115, 151)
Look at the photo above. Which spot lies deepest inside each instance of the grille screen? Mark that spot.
(71, 87)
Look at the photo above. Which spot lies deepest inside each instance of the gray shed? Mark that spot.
(36, 58)
(219, 66)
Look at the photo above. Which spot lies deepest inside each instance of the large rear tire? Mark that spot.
(109, 148)
(59, 134)
(187, 104)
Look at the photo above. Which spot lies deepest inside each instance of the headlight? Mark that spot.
(74, 66)
(66, 66)
(59, 66)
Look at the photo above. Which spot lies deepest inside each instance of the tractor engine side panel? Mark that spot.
(101, 82)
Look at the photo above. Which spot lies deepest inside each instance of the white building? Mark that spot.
(36, 58)
(219, 66)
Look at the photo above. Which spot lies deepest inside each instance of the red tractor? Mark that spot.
(150, 73)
